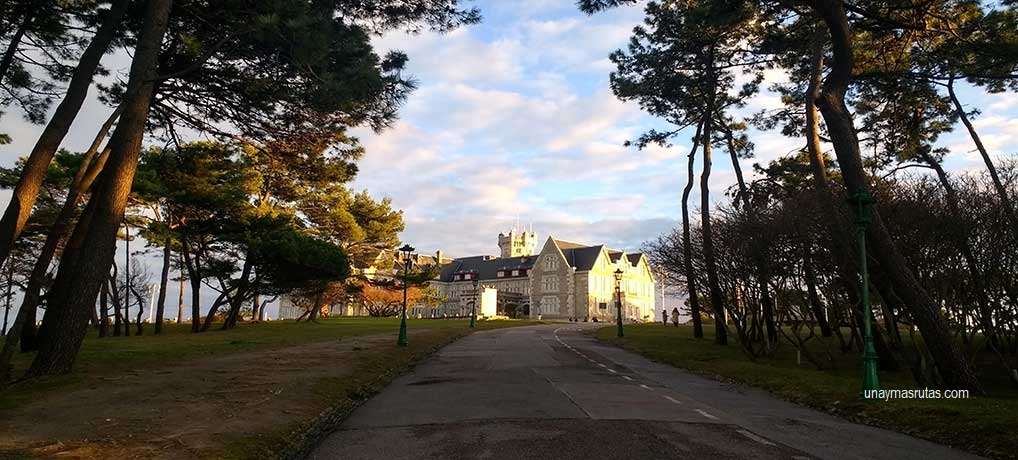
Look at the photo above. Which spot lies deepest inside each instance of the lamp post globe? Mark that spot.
(618, 301)
(473, 305)
(406, 251)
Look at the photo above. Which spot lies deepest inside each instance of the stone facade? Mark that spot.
(576, 281)
(508, 276)
(517, 243)
(564, 280)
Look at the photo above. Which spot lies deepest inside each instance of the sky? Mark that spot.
(514, 121)
(514, 118)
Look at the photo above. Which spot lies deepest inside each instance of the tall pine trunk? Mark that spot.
(762, 273)
(115, 298)
(128, 282)
(713, 285)
(180, 298)
(138, 329)
(1005, 199)
(191, 262)
(27, 190)
(815, 305)
(7, 353)
(104, 311)
(82, 180)
(237, 301)
(15, 40)
(687, 248)
(816, 154)
(93, 243)
(984, 304)
(985, 314)
(164, 280)
(8, 298)
(195, 304)
(954, 367)
(223, 298)
(836, 225)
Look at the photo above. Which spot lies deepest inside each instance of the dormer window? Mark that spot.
(516, 273)
(457, 277)
(501, 274)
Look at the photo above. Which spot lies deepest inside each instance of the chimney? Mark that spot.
(438, 257)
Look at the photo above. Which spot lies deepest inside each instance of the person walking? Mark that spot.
(675, 316)
(664, 316)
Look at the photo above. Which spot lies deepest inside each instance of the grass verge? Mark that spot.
(115, 355)
(374, 369)
(324, 400)
(980, 424)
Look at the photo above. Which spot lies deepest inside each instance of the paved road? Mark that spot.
(551, 392)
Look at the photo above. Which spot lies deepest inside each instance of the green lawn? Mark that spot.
(983, 425)
(111, 355)
(332, 397)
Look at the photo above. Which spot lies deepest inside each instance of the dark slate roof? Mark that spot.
(634, 258)
(563, 245)
(583, 257)
(577, 255)
(486, 267)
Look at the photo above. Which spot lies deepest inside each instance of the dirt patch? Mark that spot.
(182, 411)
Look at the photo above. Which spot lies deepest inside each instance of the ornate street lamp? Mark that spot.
(862, 204)
(618, 299)
(473, 305)
(407, 251)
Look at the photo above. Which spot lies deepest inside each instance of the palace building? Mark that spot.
(565, 280)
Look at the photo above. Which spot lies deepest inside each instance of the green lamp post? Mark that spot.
(407, 251)
(473, 305)
(862, 204)
(618, 301)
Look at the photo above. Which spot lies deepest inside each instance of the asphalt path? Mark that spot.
(553, 392)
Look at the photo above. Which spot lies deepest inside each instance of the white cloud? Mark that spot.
(1003, 101)
(514, 117)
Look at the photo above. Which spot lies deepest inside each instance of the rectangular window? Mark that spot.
(549, 305)
(550, 263)
(516, 273)
(602, 306)
(550, 283)
(501, 274)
